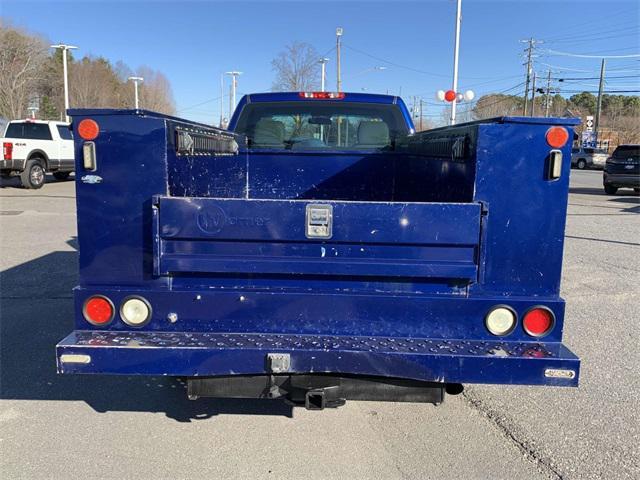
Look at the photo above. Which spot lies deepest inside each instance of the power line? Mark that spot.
(597, 21)
(442, 104)
(594, 35)
(395, 64)
(406, 67)
(201, 103)
(593, 78)
(580, 55)
(605, 91)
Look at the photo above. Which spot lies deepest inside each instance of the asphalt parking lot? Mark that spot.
(134, 427)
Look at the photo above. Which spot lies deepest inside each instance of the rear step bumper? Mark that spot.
(192, 354)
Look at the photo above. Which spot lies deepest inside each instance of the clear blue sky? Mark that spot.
(193, 42)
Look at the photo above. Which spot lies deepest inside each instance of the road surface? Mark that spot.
(131, 427)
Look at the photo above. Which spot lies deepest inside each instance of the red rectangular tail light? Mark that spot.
(7, 150)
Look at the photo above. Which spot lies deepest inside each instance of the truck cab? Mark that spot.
(320, 250)
(31, 148)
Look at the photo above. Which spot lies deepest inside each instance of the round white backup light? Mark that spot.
(501, 320)
(135, 311)
(440, 95)
(469, 95)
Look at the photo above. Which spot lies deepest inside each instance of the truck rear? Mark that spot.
(320, 250)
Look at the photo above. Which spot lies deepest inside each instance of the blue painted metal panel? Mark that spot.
(353, 222)
(343, 176)
(115, 215)
(526, 212)
(202, 354)
(323, 310)
(279, 245)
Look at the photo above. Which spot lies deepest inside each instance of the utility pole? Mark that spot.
(599, 105)
(420, 113)
(456, 52)
(234, 85)
(64, 49)
(135, 81)
(338, 58)
(323, 76)
(547, 103)
(533, 96)
(529, 50)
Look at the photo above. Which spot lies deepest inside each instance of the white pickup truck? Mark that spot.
(30, 148)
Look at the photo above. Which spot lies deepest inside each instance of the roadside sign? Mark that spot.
(588, 139)
(588, 124)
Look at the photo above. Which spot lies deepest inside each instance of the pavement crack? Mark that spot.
(509, 430)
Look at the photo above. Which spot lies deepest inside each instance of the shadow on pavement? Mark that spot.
(635, 200)
(14, 181)
(36, 312)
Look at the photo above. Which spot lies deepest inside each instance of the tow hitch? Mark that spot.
(317, 392)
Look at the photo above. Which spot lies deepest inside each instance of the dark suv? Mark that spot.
(622, 169)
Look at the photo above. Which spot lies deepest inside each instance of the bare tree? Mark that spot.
(495, 105)
(155, 92)
(93, 83)
(22, 57)
(296, 68)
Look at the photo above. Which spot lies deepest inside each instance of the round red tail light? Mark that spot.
(538, 321)
(88, 129)
(557, 137)
(98, 310)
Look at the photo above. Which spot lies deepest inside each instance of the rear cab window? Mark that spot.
(65, 132)
(320, 125)
(28, 130)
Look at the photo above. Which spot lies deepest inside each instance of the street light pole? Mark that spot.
(234, 85)
(599, 103)
(456, 51)
(135, 81)
(339, 77)
(323, 63)
(221, 100)
(64, 49)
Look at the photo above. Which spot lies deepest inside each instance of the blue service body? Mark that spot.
(427, 237)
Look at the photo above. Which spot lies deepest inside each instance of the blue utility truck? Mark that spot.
(320, 250)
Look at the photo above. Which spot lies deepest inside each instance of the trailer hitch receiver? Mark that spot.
(321, 398)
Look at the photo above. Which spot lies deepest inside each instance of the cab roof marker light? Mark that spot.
(322, 95)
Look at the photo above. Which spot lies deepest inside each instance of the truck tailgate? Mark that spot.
(248, 236)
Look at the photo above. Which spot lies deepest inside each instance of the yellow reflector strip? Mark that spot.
(75, 358)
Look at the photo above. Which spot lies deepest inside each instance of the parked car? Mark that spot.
(622, 169)
(583, 158)
(31, 148)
